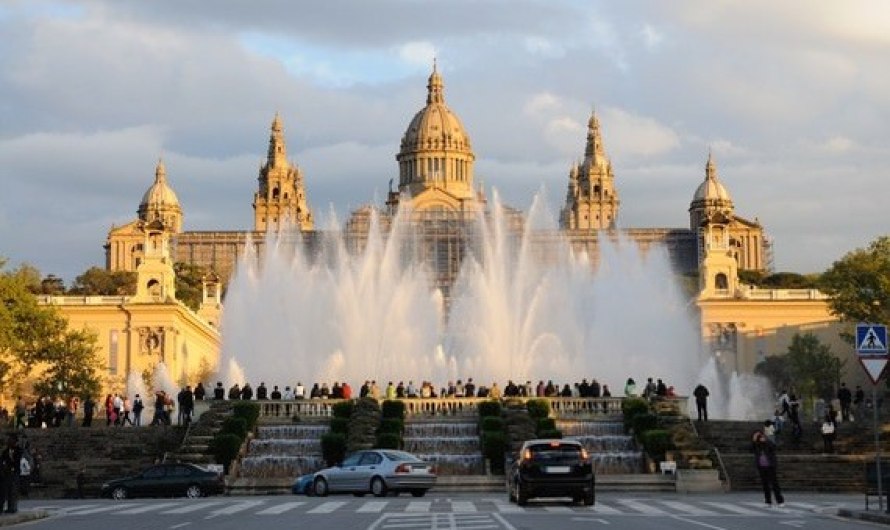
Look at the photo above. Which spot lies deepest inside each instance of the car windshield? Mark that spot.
(400, 456)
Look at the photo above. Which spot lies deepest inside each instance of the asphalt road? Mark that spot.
(439, 511)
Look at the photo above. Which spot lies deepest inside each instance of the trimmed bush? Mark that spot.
(249, 411)
(492, 423)
(224, 447)
(538, 408)
(391, 425)
(545, 424)
(642, 423)
(235, 425)
(489, 408)
(656, 442)
(494, 444)
(333, 448)
(631, 407)
(550, 433)
(340, 425)
(389, 440)
(393, 409)
(342, 409)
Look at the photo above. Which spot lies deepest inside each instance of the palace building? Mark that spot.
(435, 164)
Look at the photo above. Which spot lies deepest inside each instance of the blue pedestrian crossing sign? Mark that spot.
(871, 339)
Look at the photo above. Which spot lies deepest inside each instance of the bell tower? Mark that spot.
(591, 200)
(280, 201)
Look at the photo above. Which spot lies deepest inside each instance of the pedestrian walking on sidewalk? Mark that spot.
(765, 460)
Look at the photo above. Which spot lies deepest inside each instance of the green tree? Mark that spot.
(859, 284)
(98, 281)
(35, 344)
(777, 370)
(189, 284)
(813, 369)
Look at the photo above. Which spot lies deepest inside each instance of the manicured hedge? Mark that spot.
(249, 411)
(224, 447)
(235, 425)
(632, 407)
(393, 409)
(545, 424)
(494, 443)
(642, 423)
(333, 448)
(489, 408)
(340, 425)
(391, 426)
(492, 423)
(552, 433)
(342, 409)
(389, 440)
(657, 442)
(538, 408)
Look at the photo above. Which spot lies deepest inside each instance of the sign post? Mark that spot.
(871, 345)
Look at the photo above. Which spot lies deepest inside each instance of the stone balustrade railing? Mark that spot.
(561, 408)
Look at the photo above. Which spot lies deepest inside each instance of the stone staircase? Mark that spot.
(195, 447)
(103, 453)
(802, 465)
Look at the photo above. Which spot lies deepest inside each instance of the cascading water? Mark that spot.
(452, 447)
(612, 450)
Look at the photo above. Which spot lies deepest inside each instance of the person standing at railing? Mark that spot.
(470, 388)
(390, 391)
(299, 391)
(219, 392)
(375, 390)
(346, 390)
(137, 410)
(494, 392)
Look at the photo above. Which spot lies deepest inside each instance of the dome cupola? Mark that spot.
(710, 197)
(160, 202)
(435, 149)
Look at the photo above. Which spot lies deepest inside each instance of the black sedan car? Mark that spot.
(166, 480)
(551, 468)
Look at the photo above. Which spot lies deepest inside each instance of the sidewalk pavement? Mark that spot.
(872, 516)
(22, 516)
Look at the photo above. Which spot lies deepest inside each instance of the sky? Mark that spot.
(792, 98)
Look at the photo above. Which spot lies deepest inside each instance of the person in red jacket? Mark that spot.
(346, 390)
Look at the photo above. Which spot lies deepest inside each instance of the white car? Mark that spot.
(376, 471)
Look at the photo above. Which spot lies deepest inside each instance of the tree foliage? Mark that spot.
(859, 284)
(97, 281)
(779, 280)
(189, 284)
(36, 344)
(808, 366)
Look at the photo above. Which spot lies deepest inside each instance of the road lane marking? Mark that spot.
(327, 507)
(418, 506)
(281, 508)
(604, 509)
(734, 508)
(463, 506)
(147, 508)
(558, 509)
(372, 507)
(687, 509)
(192, 507)
(180, 525)
(699, 523)
(235, 508)
(508, 508)
(106, 508)
(642, 508)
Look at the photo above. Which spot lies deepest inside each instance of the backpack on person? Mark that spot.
(25, 467)
(828, 428)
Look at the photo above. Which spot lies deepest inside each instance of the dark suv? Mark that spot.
(551, 468)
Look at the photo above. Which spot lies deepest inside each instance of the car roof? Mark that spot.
(548, 441)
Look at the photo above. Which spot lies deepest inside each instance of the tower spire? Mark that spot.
(594, 151)
(160, 171)
(277, 149)
(710, 167)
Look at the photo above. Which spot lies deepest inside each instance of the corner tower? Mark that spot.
(592, 200)
(281, 198)
(436, 158)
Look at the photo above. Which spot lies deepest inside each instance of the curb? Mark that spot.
(872, 517)
(9, 519)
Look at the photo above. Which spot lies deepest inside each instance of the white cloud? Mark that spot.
(628, 134)
(417, 53)
(652, 38)
(542, 104)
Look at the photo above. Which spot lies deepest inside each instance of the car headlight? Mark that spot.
(105, 485)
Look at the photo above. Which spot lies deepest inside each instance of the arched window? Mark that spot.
(154, 287)
(720, 281)
(275, 193)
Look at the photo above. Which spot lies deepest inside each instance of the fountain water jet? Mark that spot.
(525, 306)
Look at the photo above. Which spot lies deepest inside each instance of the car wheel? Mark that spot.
(320, 487)
(418, 493)
(521, 495)
(358, 494)
(378, 487)
(590, 499)
(119, 493)
(194, 491)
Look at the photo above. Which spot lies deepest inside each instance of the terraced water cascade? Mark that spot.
(284, 451)
(452, 446)
(613, 451)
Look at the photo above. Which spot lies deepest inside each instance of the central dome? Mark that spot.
(435, 126)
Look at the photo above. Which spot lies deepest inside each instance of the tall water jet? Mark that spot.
(524, 306)
(161, 380)
(136, 386)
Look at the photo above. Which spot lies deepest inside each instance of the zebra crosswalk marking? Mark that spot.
(558, 509)
(327, 507)
(642, 508)
(100, 509)
(418, 506)
(604, 509)
(281, 508)
(463, 506)
(235, 508)
(734, 508)
(686, 508)
(372, 507)
(149, 508)
(508, 508)
(189, 508)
